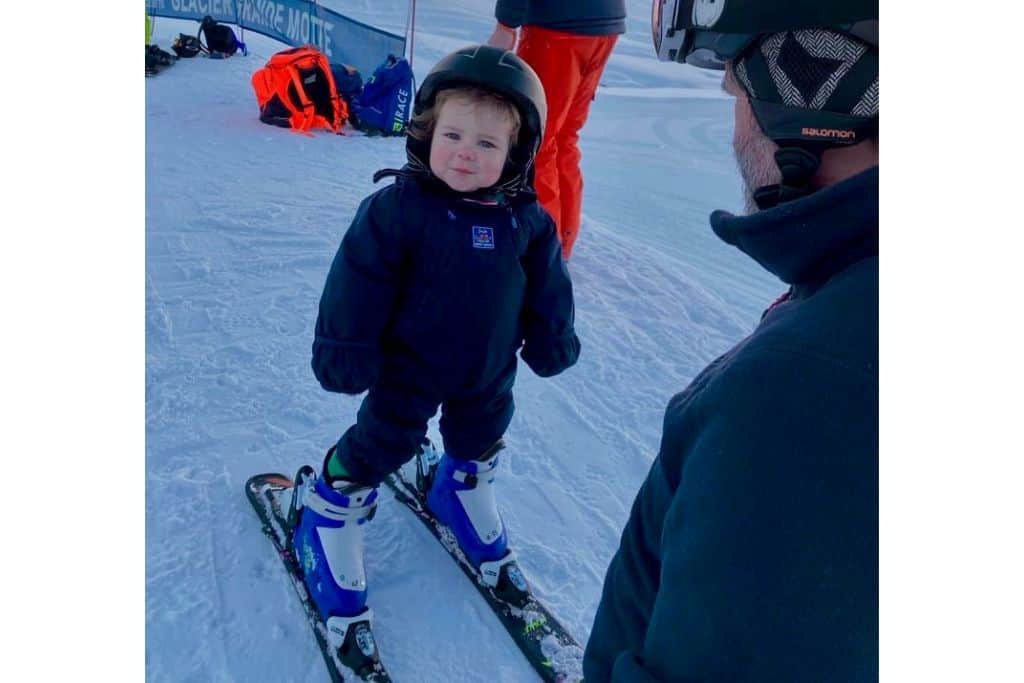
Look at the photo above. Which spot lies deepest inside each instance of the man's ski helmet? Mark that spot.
(809, 68)
(499, 71)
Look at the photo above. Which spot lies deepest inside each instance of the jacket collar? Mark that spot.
(808, 240)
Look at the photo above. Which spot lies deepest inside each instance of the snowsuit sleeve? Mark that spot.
(359, 295)
(550, 342)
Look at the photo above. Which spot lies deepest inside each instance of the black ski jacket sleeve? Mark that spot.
(550, 343)
(359, 296)
(582, 17)
(751, 550)
(757, 517)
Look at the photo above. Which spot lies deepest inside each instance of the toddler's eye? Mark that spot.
(452, 136)
(487, 145)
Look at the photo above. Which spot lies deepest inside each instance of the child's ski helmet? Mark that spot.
(502, 72)
(809, 68)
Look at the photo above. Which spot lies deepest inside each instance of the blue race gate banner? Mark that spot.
(295, 22)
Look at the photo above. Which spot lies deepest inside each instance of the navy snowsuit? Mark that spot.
(751, 551)
(427, 301)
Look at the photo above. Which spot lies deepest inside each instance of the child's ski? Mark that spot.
(547, 645)
(358, 652)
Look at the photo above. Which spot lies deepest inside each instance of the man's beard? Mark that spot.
(755, 157)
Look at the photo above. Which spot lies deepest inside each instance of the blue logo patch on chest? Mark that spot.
(483, 237)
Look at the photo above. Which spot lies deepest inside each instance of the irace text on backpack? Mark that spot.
(385, 104)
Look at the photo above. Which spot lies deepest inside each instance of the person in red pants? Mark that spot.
(568, 45)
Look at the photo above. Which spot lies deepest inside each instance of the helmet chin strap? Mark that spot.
(798, 166)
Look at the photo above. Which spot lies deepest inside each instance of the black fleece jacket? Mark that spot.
(751, 551)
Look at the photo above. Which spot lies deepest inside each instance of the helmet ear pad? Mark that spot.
(417, 150)
(811, 80)
(522, 153)
(810, 90)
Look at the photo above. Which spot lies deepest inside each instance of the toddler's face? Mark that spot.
(469, 145)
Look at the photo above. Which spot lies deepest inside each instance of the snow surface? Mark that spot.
(242, 221)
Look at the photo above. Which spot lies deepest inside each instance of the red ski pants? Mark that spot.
(570, 67)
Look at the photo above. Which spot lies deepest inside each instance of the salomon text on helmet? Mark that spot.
(809, 68)
(498, 71)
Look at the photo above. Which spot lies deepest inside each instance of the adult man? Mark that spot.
(568, 45)
(751, 551)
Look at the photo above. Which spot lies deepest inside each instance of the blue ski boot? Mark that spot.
(460, 494)
(327, 517)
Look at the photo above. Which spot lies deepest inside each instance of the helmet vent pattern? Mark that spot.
(868, 105)
(807, 65)
(744, 78)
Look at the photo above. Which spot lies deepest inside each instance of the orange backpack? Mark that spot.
(296, 89)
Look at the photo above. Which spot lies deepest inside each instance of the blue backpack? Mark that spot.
(348, 81)
(385, 103)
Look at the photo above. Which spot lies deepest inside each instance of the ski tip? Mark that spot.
(275, 479)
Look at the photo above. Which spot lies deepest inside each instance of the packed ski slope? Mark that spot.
(242, 220)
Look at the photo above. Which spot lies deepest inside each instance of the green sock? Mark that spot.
(336, 470)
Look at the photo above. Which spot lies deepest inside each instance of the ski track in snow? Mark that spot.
(242, 221)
